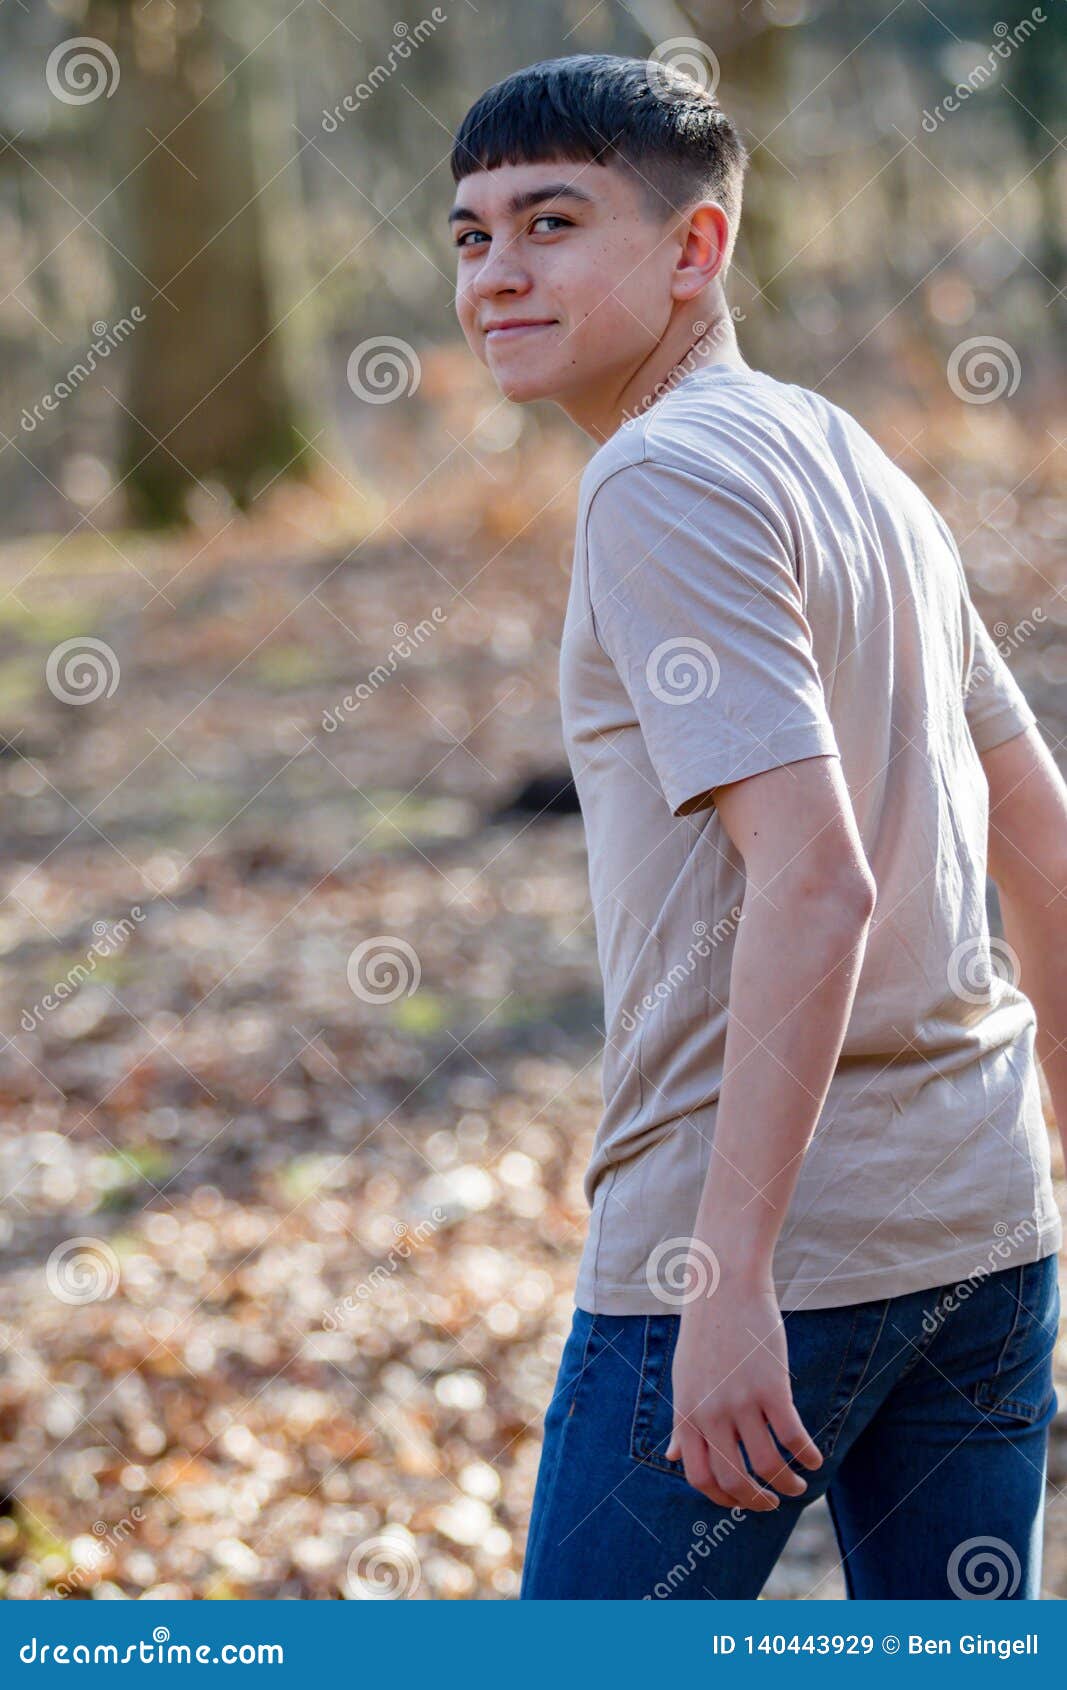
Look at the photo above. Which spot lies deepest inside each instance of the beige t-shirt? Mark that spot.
(756, 582)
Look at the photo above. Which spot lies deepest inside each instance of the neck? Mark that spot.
(703, 336)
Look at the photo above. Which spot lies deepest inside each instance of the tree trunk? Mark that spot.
(209, 399)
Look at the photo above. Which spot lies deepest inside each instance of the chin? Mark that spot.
(524, 386)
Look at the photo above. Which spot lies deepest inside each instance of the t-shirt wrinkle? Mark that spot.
(756, 583)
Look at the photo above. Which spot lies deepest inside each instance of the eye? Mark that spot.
(551, 217)
(464, 239)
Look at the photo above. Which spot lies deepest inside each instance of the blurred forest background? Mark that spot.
(301, 1007)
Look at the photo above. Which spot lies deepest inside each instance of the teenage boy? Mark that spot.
(796, 749)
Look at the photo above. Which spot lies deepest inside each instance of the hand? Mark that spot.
(730, 1376)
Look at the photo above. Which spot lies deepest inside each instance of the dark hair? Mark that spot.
(597, 107)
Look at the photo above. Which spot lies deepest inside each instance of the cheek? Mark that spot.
(575, 292)
(620, 296)
(644, 287)
(467, 313)
(607, 323)
(464, 305)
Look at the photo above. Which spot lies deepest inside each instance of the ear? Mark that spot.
(705, 239)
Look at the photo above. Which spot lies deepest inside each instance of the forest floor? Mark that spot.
(289, 1250)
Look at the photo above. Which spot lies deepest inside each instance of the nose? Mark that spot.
(500, 272)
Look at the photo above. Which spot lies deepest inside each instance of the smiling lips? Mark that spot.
(510, 326)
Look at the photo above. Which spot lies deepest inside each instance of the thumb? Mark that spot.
(673, 1452)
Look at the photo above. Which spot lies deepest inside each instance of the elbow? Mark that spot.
(858, 894)
(846, 895)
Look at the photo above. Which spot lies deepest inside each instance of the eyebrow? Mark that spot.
(524, 202)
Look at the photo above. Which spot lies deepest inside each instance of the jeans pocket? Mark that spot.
(1020, 1387)
(653, 1420)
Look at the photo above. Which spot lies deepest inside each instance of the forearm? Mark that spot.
(792, 986)
(1036, 929)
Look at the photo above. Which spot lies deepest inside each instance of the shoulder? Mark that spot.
(711, 441)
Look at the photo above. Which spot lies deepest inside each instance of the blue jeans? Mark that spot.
(931, 1411)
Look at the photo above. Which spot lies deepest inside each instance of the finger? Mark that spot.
(673, 1452)
(729, 1474)
(698, 1469)
(791, 1432)
(764, 1458)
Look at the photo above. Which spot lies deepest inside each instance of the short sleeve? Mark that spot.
(695, 599)
(994, 703)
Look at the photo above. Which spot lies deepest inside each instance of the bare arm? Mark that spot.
(1028, 862)
(808, 901)
(809, 895)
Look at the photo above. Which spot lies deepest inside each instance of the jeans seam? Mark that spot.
(988, 1394)
(640, 1384)
(920, 1350)
(1020, 1407)
(639, 1394)
(532, 1538)
(675, 1468)
(1006, 1346)
(846, 1568)
(985, 1392)
(840, 1415)
(846, 1352)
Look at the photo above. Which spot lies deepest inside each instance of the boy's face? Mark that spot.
(563, 276)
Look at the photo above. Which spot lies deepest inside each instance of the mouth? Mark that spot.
(515, 328)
